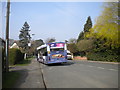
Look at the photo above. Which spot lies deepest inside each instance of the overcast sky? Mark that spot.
(61, 20)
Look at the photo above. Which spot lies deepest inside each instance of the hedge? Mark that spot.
(2, 57)
(103, 57)
(15, 56)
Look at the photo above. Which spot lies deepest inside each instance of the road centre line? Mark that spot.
(100, 67)
(104, 68)
(90, 66)
(113, 69)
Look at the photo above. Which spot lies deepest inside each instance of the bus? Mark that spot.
(55, 52)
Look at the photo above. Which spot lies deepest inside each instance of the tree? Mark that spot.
(38, 43)
(49, 40)
(72, 40)
(88, 24)
(35, 44)
(86, 29)
(85, 45)
(81, 36)
(107, 24)
(24, 37)
(72, 47)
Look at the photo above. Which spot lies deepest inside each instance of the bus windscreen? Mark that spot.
(57, 49)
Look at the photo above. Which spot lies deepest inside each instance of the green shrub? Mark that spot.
(85, 45)
(15, 56)
(103, 56)
(2, 54)
(72, 47)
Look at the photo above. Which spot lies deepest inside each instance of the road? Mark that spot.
(81, 74)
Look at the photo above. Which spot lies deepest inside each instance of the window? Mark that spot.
(57, 49)
(68, 53)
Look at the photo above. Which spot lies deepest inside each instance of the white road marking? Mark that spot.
(100, 67)
(90, 66)
(113, 69)
(104, 68)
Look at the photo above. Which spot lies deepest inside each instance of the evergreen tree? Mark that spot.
(24, 37)
(88, 25)
(81, 36)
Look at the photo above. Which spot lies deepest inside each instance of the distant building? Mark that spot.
(11, 41)
(2, 43)
(15, 45)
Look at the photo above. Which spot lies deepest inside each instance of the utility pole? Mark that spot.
(7, 38)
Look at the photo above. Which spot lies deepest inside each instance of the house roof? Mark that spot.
(14, 45)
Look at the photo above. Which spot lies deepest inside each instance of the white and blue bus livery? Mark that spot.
(55, 52)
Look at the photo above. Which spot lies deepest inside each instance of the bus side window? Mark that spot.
(45, 54)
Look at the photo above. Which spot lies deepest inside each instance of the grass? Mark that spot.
(24, 62)
(9, 79)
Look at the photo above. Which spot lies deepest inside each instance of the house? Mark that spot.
(2, 43)
(14, 45)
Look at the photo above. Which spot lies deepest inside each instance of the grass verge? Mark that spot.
(24, 62)
(9, 79)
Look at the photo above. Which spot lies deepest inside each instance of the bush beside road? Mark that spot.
(15, 56)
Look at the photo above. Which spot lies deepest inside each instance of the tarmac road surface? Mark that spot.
(81, 74)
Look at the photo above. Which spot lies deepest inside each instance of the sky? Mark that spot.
(59, 20)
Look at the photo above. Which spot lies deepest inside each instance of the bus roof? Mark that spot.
(45, 45)
(42, 46)
(55, 42)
